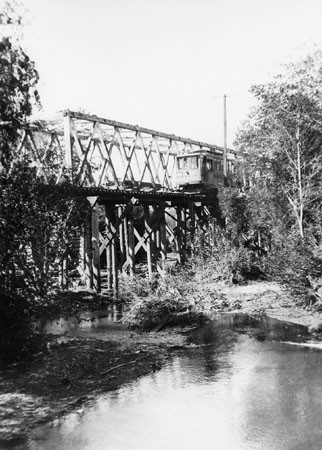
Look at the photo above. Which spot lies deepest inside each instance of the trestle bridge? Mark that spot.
(124, 171)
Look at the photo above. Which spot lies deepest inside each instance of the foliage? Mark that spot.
(186, 295)
(162, 306)
(133, 287)
(18, 338)
(36, 225)
(297, 264)
(37, 229)
(233, 207)
(281, 147)
(18, 94)
(282, 138)
(225, 259)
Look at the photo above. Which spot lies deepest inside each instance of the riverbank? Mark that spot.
(74, 370)
(269, 298)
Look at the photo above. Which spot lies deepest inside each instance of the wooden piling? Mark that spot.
(148, 232)
(111, 250)
(96, 248)
(163, 241)
(131, 246)
(88, 253)
(63, 273)
(178, 235)
(121, 236)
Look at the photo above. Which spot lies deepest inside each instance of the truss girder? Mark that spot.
(45, 151)
(95, 152)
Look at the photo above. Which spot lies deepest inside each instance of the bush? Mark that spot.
(38, 226)
(18, 337)
(178, 299)
(221, 259)
(158, 308)
(138, 286)
(298, 265)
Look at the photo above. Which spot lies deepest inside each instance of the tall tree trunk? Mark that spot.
(299, 181)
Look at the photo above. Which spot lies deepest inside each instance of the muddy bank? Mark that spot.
(269, 298)
(71, 372)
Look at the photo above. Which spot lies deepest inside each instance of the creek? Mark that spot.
(243, 383)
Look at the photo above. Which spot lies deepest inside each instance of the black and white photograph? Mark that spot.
(160, 224)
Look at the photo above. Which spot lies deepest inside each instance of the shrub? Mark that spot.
(159, 307)
(18, 337)
(178, 299)
(37, 229)
(138, 286)
(298, 265)
(222, 259)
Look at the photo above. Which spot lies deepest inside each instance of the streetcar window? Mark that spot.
(194, 162)
(182, 163)
(210, 165)
(217, 164)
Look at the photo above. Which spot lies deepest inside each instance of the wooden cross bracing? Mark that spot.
(121, 242)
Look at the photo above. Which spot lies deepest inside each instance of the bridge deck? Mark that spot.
(121, 196)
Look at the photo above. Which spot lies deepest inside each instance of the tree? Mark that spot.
(282, 137)
(18, 93)
(18, 80)
(36, 225)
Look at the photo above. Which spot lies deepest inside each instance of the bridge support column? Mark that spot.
(178, 235)
(149, 241)
(64, 273)
(122, 239)
(96, 248)
(192, 224)
(184, 230)
(131, 246)
(111, 249)
(109, 268)
(91, 248)
(88, 253)
(162, 242)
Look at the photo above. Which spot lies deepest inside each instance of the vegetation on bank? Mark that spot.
(281, 144)
(36, 227)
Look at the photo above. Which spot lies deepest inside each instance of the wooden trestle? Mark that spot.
(129, 233)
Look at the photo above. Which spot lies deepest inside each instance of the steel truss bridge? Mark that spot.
(118, 167)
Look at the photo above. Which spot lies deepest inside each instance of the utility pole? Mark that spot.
(225, 135)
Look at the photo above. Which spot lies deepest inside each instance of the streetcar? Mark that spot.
(203, 170)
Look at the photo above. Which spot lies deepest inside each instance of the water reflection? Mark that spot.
(261, 327)
(234, 392)
(88, 323)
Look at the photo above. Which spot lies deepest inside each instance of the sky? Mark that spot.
(165, 64)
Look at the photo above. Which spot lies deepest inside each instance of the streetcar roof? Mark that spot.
(207, 153)
(201, 153)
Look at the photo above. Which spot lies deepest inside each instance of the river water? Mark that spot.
(244, 383)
